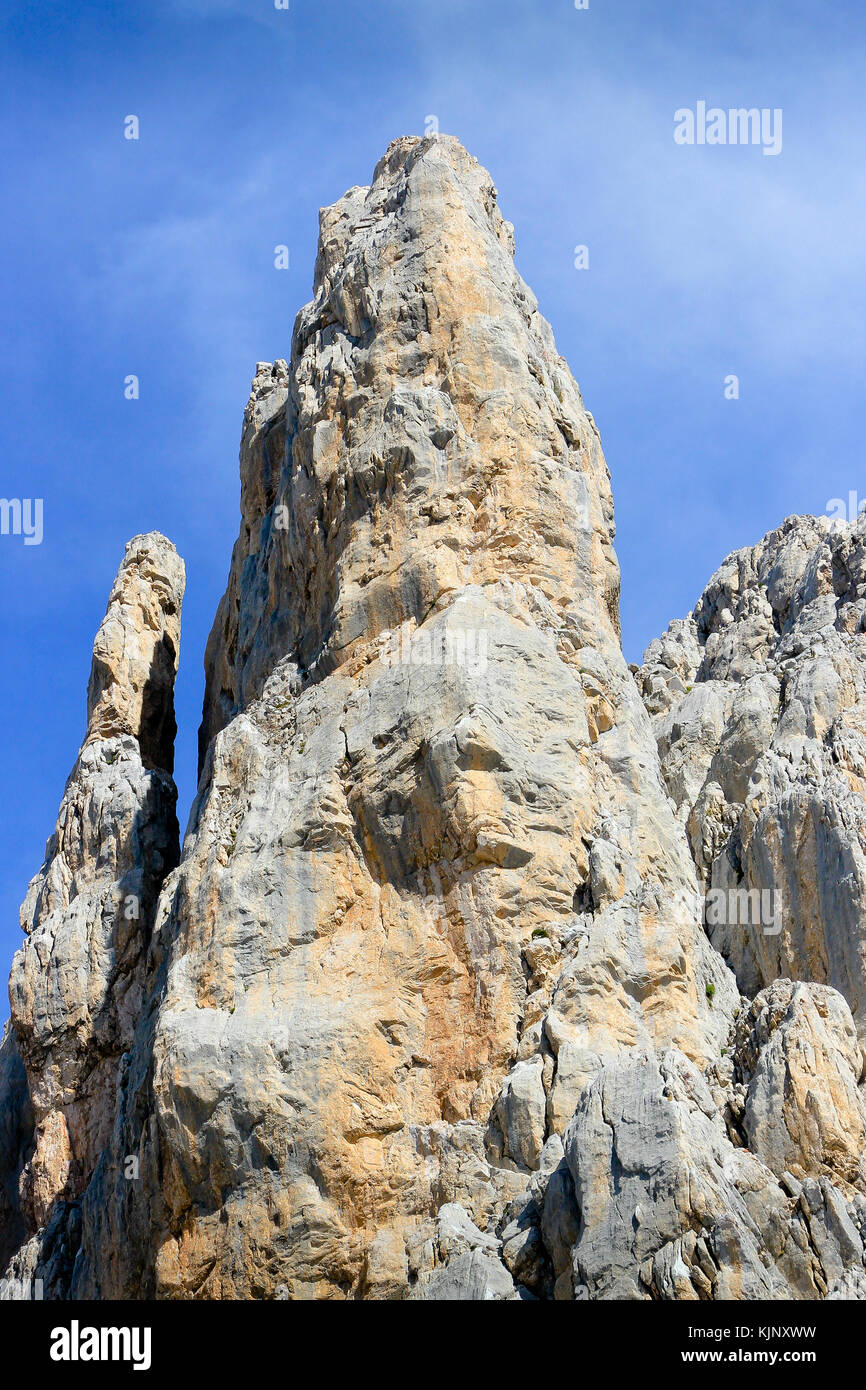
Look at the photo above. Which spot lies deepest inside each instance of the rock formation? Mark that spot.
(759, 702)
(427, 1009)
(78, 983)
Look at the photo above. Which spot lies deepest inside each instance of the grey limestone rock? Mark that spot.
(425, 1009)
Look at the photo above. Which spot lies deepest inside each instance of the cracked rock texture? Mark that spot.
(431, 878)
(669, 1207)
(759, 704)
(77, 984)
(427, 1009)
(799, 1065)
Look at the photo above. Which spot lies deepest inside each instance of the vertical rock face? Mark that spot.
(135, 655)
(427, 1009)
(672, 1209)
(799, 1063)
(432, 878)
(77, 984)
(759, 702)
(16, 1138)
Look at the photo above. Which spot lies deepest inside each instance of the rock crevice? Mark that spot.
(426, 1008)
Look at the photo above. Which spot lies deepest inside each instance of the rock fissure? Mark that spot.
(426, 1008)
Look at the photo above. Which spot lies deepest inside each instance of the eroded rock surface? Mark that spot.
(426, 1010)
(78, 983)
(799, 1066)
(431, 878)
(759, 704)
(670, 1209)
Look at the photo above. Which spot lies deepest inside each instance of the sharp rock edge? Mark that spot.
(427, 1009)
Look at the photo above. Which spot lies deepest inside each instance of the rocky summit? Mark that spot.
(490, 968)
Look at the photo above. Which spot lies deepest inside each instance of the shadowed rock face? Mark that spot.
(16, 1136)
(77, 984)
(135, 655)
(426, 1010)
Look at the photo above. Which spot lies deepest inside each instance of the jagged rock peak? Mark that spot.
(136, 652)
(431, 879)
(427, 1010)
(759, 705)
(79, 982)
(424, 435)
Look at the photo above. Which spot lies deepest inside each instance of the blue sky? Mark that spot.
(156, 257)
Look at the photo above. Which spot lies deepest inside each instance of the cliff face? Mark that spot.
(78, 983)
(427, 1009)
(759, 702)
